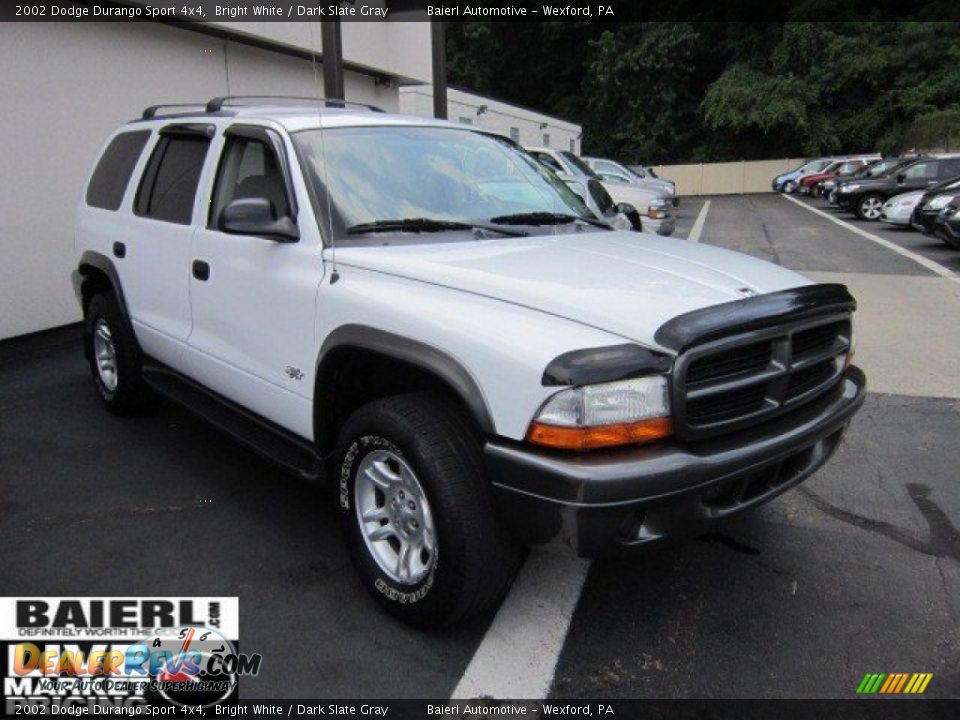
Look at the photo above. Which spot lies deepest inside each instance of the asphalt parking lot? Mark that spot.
(856, 571)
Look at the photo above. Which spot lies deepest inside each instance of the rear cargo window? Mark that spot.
(112, 174)
(170, 181)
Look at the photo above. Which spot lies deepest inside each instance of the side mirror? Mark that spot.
(900, 178)
(257, 216)
(625, 208)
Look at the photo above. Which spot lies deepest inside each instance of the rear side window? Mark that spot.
(112, 174)
(170, 181)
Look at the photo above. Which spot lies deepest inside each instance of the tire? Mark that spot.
(107, 341)
(869, 206)
(473, 558)
(949, 240)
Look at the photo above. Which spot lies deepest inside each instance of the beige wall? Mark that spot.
(66, 86)
(726, 178)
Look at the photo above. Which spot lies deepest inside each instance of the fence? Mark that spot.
(729, 178)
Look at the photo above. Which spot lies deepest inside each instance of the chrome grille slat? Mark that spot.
(748, 378)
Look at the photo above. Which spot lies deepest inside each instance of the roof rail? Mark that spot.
(151, 112)
(218, 102)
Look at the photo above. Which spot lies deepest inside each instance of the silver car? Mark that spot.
(899, 209)
(612, 171)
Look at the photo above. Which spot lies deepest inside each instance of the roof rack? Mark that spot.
(151, 112)
(217, 103)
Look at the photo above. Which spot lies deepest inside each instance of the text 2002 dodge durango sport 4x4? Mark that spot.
(420, 312)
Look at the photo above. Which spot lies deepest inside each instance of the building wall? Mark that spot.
(66, 86)
(522, 124)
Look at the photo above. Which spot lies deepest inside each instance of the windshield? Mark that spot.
(579, 165)
(390, 173)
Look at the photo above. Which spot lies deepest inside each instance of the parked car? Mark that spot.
(472, 361)
(866, 197)
(932, 202)
(813, 184)
(787, 182)
(612, 171)
(898, 209)
(873, 170)
(947, 225)
(619, 217)
(653, 205)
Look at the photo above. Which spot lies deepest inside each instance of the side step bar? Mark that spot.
(278, 445)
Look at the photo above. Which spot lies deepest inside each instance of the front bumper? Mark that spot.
(896, 216)
(604, 503)
(660, 226)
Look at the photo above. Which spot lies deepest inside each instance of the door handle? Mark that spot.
(119, 250)
(201, 270)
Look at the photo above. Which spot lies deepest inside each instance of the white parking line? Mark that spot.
(916, 257)
(694, 235)
(519, 653)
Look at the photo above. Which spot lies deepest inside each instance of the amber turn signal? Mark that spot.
(600, 436)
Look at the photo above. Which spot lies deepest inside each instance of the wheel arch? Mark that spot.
(96, 273)
(351, 350)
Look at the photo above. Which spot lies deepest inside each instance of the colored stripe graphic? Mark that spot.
(894, 683)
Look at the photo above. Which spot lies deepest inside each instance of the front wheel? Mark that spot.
(417, 514)
(870, 207)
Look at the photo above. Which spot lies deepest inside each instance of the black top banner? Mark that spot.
(611, 11)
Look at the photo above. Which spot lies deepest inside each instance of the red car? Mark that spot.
(812, 184)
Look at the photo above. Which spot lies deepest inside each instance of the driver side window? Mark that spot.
(922, 170)
(248, 169)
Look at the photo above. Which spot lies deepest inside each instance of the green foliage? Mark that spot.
(682, 91)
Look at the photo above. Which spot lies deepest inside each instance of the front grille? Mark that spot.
(735, 382)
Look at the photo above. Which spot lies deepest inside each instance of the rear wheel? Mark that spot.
(870, 207)
(417, 513)
(114, 357)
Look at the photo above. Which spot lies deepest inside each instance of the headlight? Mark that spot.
(940, 201)
(671, 190)
(627, 412)
(657, 209)
(849, 188)
(829, 185)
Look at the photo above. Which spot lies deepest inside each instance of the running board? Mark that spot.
(278, 445)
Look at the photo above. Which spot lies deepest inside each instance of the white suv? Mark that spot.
(423, 314)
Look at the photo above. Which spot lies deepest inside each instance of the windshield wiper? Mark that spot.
(423, 224)
(545, 218)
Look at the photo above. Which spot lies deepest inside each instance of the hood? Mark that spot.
(897, 199)
(625, 283)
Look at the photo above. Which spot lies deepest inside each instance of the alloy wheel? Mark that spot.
(106, 355)
(394, 516)
(871, 207)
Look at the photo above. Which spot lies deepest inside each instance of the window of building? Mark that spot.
(573, 145)
(466, 120)
(169, 184)
(112, 175)
(515, 134)
(546, 139)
